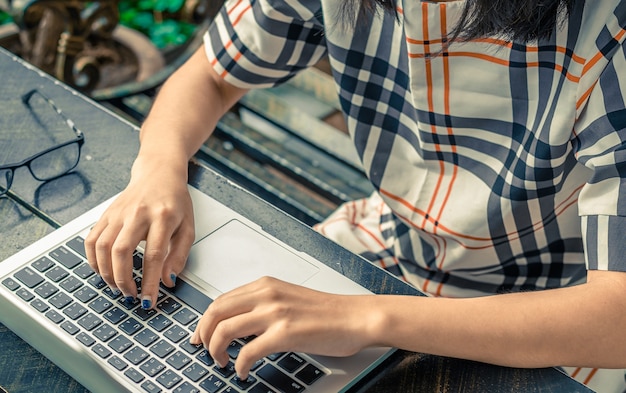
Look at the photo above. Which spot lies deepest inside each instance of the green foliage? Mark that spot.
(154, 18)
(5, 18)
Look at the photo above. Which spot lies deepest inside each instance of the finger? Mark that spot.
(157, 246)
(225, 306)
(90, 243)
(176, 258)
(103, 246)
(254, 350)
(122, 257)
(226, 331)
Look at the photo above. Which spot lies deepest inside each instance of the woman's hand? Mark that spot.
(155, 207)
(284, 317)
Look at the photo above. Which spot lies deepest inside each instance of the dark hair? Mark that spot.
(515, 20)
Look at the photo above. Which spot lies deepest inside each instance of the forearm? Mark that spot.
(577, 326)
(185, 113)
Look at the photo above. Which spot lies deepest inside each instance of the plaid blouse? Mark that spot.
(499, 166)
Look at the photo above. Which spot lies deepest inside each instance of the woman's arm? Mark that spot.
(156, 205)
(576, 326)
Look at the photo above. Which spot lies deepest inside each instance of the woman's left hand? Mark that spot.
(283, 317)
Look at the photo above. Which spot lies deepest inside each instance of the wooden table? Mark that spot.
(35, 209)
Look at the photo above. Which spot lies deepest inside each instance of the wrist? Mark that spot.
(160, 166)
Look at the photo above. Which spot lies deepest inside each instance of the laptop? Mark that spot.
(52, 299)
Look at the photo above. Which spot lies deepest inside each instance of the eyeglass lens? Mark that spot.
(55, 163)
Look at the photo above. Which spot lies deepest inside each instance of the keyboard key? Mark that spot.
(205, 358)
(309, 374)
(46, 290)
(28, 277)
(243, 384)
(97, 282)
(71, 284)
(137, 261)
(144, 315)
(84, 271)
(189, 347)
(115, 316)
(195, 372)
(85, 294)
(152, 367)
(134, 375)
(89, 321)
(226, 371)
(65, 257)
(189, 295)
(85, 339)
(120, 344)
(55, 316)
(130, 326)
(160, 322)
(175, 333)
(162, 348)
(275, 355)
(60, 300)
(261, 388)
(128, 305)
(146, 337)
(10, 283)
(101, 351)
(291, 362)
(42, 264)
(136, 355)
(233, 349)
(77, 244)
(212, 384)
(100, 304)
(185, 316)
(169, 305)
(24, 294)
(75, 311)
(104, 332)
(169, 379)
(278, 379)
(118, 363)
(178, 360)
(186, 388)
(39, 305)
(57, 274)
(110, 294)
(70, 327)
(150, 387)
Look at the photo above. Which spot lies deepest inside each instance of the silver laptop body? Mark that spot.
(49, 297)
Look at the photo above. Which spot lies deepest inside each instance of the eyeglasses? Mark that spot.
(54, 161)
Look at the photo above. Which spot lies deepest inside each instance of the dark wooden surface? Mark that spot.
(35, 209)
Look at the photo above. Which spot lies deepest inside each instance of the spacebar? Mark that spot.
(189, 295)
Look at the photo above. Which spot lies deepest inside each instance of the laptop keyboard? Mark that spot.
(149, 347)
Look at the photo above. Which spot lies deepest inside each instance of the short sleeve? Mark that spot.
(600, 144)
(262, 43)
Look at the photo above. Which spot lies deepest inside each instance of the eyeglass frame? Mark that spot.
(80, 140)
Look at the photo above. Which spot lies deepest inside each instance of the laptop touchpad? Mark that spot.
(236, 254)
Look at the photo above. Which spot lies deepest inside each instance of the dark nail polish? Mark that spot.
(146, 304)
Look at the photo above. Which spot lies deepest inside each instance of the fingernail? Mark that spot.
(129, 299)
(173, 278)
(115, 291)
(146, 303)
